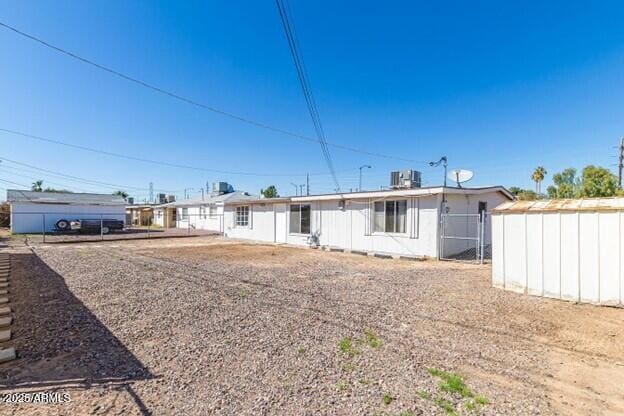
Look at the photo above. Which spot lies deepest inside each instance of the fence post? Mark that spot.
(102, 227)
(149, 224)
(43, 225)
(482, 236)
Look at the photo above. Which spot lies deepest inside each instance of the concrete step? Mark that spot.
(7, 354)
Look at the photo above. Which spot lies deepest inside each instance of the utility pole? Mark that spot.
(620, 162)
(151, 192)
(301, 189)
(307, 184)
(296, 187)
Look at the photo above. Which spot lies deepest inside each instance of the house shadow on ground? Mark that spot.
(60, 343)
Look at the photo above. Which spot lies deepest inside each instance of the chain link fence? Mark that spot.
(68, 227)
(465, 237)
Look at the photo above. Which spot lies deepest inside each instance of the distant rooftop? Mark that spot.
(16, 195)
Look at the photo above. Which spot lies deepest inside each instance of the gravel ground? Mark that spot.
(213, 326)
(127, 234)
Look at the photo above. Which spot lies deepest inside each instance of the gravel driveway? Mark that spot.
(214, 326)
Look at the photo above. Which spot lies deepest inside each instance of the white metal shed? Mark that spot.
(33, 212)
(566, 249)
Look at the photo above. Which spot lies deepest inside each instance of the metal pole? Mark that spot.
(307, 184)
(44, 224)
(483, 217)
(102, 227)
(149, 224)
(620, 162)
(360, 183)
(296, 188)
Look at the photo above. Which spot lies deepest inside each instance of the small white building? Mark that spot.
(32, 212)
(396, 222)
(563, 249)
(202, 213)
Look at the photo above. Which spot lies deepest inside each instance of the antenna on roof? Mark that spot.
(444, 162)
(460, 176)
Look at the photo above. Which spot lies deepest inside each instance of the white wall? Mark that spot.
(467, 226)
(200, 222)
(565, 255)
(29, 217)
(343, 228)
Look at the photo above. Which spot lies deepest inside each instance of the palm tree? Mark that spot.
(122, 194)
(538, 177)
(37, 186)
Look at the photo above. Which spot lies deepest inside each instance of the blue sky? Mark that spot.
(498, 87)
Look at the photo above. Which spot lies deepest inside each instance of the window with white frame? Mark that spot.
(390, 216)
(212, 211)
(184, 214)
(300, 219)
(242, 216)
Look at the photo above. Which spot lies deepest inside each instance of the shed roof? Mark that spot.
(17, 195)
(557, 205)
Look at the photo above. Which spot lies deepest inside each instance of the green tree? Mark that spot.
(37, 186)
(597, 182)
(270, 192)
(565, 184)
(524, 194)
(538, 176)
(122, 194)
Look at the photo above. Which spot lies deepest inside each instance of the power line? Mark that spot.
(155, 162)
(92, 182)
(305, 87)
(197, 103)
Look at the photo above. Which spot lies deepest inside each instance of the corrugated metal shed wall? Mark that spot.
(573, 252)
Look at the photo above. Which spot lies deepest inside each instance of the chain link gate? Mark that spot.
(465, 237)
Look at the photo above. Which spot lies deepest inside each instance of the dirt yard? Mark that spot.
(212, 326)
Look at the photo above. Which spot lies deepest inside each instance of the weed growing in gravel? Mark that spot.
(481, 400)
(387, 399)
(364, 381)
(342, 385)
(451, 383)
(346, 347)
(423, 394)
(371, 339)
(445, 405)
(348, 367)
(301, 350)
(245, 293)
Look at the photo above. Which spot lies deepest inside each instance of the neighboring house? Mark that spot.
(31, 212)
(140, 214)
(197, 213)
(399, 222)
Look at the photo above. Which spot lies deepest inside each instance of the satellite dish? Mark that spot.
(460, 176)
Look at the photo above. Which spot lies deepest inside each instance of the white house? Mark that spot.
(197, 213)
(31, 212)
(398, 222)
